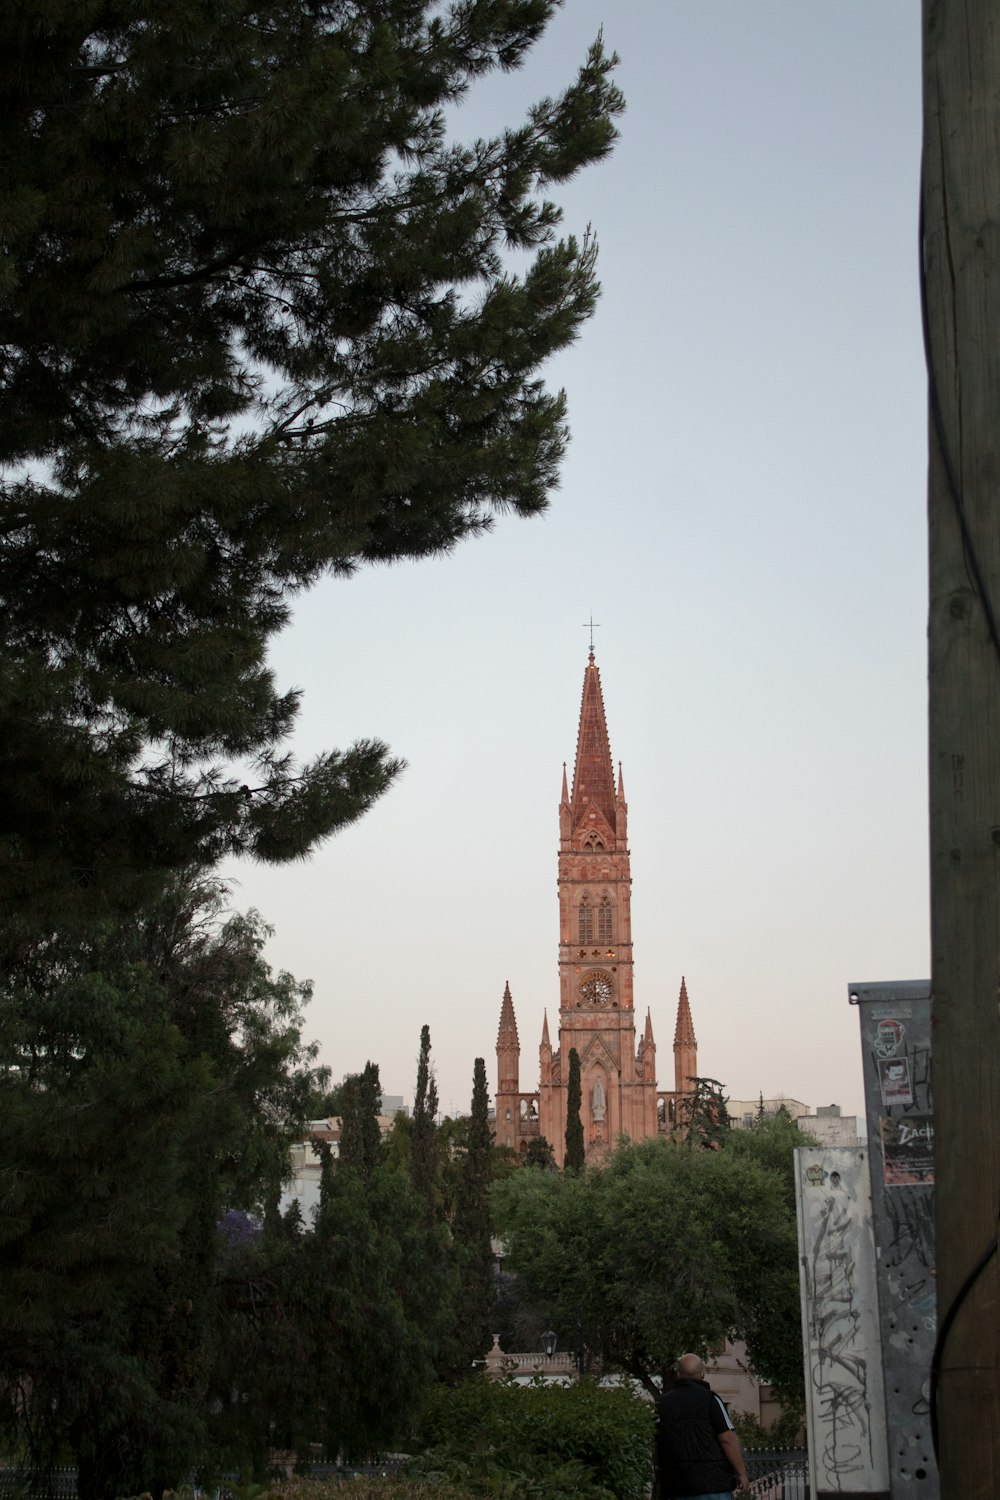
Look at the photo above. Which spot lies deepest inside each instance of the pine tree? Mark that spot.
(257, 327)
(424, 1162)
(473, 1231)
(708, 1123)
(573, 1161)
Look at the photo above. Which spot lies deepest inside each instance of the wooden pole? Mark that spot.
(961, 260)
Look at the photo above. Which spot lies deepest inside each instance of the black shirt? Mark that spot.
(691, 1460)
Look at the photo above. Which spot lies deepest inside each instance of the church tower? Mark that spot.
(596, 1003)
(596, 1011)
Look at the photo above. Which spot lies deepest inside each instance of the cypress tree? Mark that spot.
(424, 1164)
(473, 1231)
(360, 1137)
(574, 1125)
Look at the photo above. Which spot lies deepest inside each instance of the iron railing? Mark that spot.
(778, 1476)
(773, 1476)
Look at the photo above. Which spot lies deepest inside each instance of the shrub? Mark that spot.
(785, 1433)
(543, 1441)
(369, 1487)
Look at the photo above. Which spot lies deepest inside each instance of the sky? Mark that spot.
(742, 512)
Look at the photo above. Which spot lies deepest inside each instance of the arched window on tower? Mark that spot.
(605, 924)
(586, 920)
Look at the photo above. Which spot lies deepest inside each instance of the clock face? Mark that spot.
(596, 989)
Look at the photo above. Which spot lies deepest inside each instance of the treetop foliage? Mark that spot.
(663, 1249)
(256, 325)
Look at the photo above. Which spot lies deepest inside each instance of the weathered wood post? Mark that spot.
(961, 261)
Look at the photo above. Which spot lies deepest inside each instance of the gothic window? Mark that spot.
(593, 841)
(605, 926)
(586, 921)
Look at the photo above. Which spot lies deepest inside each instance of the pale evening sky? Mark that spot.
(742, 510)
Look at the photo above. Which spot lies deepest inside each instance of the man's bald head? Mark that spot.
(690, 1367)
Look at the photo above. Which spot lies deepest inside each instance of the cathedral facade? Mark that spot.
(620, 1094)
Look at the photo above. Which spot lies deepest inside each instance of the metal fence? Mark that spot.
(57, 1484)
(778, 1476)
(773, 1476)
(60, 1484)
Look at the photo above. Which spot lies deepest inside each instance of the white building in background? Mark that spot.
(303, 1185)
(826, 1125)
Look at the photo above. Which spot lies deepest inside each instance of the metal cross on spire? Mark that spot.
(591, 625)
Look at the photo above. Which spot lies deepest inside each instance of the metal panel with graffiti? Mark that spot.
(896, 1055)
(845, 1402)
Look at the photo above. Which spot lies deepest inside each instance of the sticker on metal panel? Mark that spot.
(894, 1081)
(907, 1150)
(888, 1037)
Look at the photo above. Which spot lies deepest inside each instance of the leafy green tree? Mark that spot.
(661, 1250)
(258, 326)
(776, 1325)
(540, 1154)
(151, 1078)
(573, 1161)
(772, 1143)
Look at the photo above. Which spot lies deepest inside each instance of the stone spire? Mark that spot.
(621, 810)
(593, 774)
(685, 1045)
(649, 1050)
(508, 1046)
(545, 1055)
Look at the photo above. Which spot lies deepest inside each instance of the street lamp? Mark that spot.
(548, 1342)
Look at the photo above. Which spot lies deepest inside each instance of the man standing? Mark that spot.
(698, 1453)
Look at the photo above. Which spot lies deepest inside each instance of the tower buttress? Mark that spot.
(685, 1045)
(621, 810)
(564, 814)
